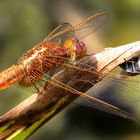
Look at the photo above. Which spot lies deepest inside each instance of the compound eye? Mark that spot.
(68, 43)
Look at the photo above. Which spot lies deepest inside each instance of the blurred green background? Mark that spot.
(23, 24)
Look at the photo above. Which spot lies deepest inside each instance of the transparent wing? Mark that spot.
(96, 103)
(82, 30)
(56, 35)
(90, 25)
(61, 28)
(123, 93)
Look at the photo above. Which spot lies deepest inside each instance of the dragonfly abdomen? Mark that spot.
(11, 76)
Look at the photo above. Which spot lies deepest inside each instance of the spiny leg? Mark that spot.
(36, 87)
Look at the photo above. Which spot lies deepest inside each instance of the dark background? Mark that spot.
(23, 24)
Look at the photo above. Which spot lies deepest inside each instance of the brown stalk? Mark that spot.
(36, 110)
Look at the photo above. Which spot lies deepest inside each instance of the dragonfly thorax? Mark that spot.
(76, 49)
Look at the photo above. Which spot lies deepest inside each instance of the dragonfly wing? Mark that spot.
(96, 103)
(111, 103)
(119, 92)
(90, 25)
(128, 89)
(86, 27)
(61, 33)
(61, 28)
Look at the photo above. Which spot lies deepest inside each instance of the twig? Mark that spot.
(24, 119)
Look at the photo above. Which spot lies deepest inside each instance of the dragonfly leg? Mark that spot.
(36, 87)
(90, 54)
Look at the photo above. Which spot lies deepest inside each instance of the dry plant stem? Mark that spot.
(40, 107)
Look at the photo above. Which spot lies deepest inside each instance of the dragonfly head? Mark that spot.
(76, 49)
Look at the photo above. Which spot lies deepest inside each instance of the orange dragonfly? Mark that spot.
(62, 42)
(62, 46)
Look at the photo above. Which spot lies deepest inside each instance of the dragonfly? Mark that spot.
(63, 42)
(62, 47)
